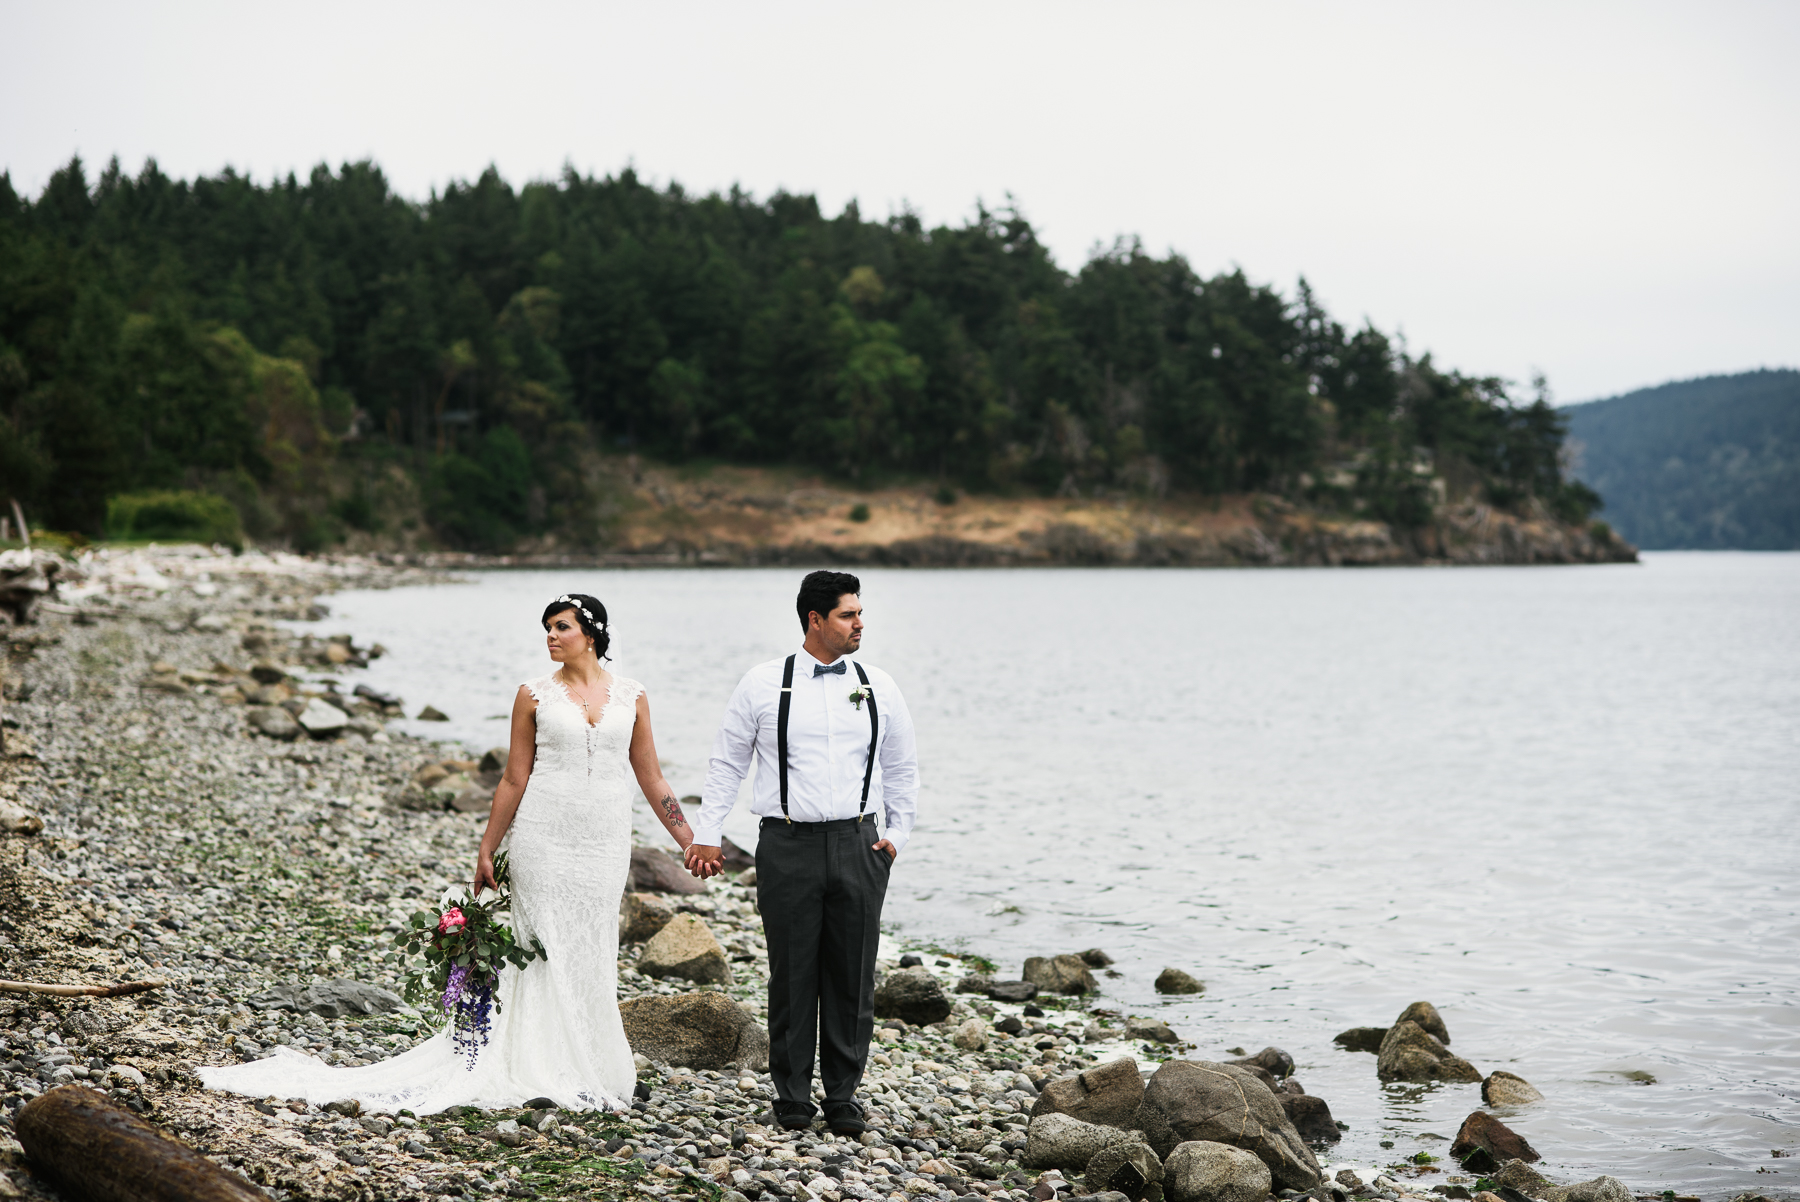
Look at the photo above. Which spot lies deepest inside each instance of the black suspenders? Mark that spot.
(781, 733)
(781, 719)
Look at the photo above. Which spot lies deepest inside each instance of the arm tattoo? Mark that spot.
(673, 810)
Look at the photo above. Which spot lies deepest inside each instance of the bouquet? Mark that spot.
(456, 957)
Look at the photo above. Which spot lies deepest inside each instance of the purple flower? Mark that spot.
(469, 1001)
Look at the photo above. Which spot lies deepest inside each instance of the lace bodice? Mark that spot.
(558, 1032)
(568, 745)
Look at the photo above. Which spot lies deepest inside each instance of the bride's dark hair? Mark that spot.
(589, 614)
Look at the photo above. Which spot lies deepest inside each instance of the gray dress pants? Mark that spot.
(820, 886)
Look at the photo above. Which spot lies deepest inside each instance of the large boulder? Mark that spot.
(1129, 1168)
(695, 1030)
(1173, 980)
(1410, 1053)
(1108, 1094)
(1060, 974)
(914, 995)
(328, 999)
(1428, 1018)
(1361, 1039)
(1311, 1117)
(1208, 1171)
(1485, 1143)
(1501, 1088)
(654, 871)
(1188, 1100)
(642, 915)
(685, 948)
(1056, 1141)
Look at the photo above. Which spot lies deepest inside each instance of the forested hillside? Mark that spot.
(1708, 463)
(319, 356)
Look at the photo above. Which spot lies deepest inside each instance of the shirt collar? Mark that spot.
(804, 661)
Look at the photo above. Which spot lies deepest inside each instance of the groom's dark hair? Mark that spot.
(820, 591)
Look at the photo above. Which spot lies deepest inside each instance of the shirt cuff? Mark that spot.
(709, 836)
(897, 838)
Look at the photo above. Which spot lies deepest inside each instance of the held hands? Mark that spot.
(704, 861)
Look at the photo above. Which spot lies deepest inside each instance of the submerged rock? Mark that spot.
(1224, 1103)
(1060, 974)
(1274, 1061)
(1209, 1171)
(1173, 980)
(1502, 1088)
(1485, 1143)
(1311, 1117)
(1409, 1053)
(1361, 1039)
(1428, 1018)
(1151, 1029)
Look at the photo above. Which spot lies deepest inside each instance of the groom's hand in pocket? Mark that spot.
(893, 853)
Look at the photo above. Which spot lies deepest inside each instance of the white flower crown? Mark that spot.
(584, 611)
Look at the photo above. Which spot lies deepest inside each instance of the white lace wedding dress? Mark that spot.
(557, 1034)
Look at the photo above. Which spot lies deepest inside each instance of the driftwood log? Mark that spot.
(81, 990)
(123, 989)
(100, 1152)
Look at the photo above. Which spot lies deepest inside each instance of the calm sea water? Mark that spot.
(1561, 803)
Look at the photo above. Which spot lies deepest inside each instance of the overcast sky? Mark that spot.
(1608, 192)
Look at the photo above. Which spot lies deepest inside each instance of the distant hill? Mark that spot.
(1708, 464)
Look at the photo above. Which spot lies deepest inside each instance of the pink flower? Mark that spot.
(451, 921)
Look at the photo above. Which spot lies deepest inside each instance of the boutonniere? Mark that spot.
(861, 695)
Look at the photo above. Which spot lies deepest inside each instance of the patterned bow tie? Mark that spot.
(836, 669)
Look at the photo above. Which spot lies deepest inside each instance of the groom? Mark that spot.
(818, 724)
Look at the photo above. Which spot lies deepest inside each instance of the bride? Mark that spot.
(565, 806)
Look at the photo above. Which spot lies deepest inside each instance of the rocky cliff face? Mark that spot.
(742, 516)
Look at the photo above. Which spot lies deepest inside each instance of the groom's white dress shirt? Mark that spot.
(828, 746)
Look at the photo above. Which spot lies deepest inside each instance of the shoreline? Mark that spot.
(178, 842)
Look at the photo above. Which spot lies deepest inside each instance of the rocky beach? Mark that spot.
(193, 794)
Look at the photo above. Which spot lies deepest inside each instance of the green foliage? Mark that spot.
(425, 955)
(859, 512)
(1710, 463)
(174, 516)
(224, 336)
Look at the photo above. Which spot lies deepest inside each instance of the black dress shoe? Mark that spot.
(845, 1118)
(794, 1116)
